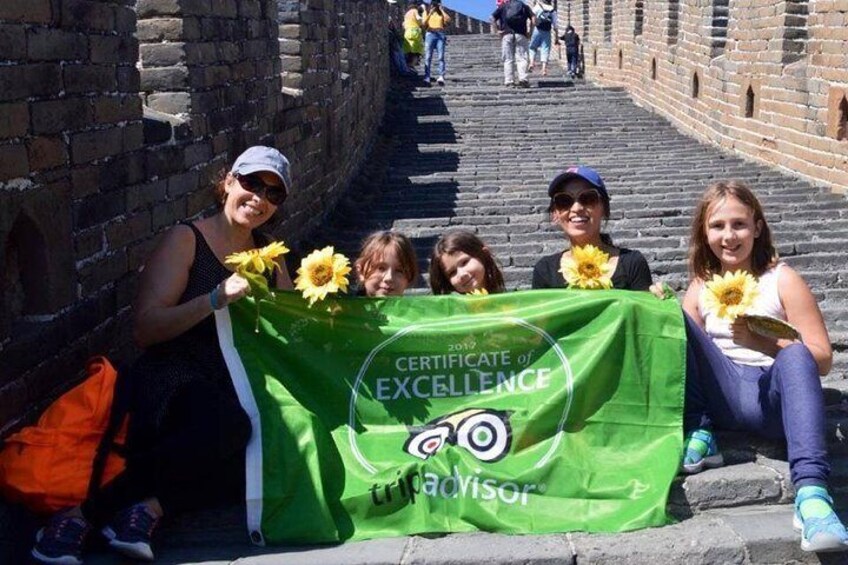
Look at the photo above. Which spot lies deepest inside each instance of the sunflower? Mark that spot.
(257, 260)
(588, 267)
(322, 272)
(479, 292)
(730, 295)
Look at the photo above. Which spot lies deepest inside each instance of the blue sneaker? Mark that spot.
(132, 533)
(825, 534)
(61, 540)
(701, 453)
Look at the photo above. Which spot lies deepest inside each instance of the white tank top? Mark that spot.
(766, 303)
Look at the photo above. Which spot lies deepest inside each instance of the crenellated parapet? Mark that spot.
(768, 79)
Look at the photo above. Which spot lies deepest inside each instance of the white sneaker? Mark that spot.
(440, 81)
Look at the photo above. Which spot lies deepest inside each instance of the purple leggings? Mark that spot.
(784, 400)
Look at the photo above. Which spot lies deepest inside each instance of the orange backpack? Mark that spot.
(70, 452)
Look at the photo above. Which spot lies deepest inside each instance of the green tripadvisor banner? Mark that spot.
(523, 412)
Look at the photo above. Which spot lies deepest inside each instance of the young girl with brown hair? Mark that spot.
(387, 264)
(738, 379)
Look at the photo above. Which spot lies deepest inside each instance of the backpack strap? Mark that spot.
(117, 413)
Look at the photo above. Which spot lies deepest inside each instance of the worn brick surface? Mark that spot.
(789, 53)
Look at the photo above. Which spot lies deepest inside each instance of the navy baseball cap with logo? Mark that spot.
(261, 158)
(586, 173)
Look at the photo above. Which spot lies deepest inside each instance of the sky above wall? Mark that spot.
(480, 9)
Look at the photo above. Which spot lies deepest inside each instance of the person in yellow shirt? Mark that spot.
(413, 35)
(436, 20)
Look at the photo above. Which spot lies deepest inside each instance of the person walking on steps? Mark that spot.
(435, 21)
(541, 40)
(512, 19)
(413, 35)
(572, 50)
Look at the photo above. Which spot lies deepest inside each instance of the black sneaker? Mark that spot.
(132, 532)
(60, 541)
(523, 84)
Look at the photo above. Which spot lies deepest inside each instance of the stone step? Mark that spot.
(746, 535)
(753, 484)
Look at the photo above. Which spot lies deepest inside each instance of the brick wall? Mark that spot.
(114, 117)
(771, 78)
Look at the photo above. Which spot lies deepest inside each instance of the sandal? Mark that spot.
(820, 534)
(701, 452)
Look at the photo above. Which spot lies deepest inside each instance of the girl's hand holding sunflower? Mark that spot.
(742, 335)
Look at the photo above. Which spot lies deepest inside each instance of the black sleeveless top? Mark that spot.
(168, 367)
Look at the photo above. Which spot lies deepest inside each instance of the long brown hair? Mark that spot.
(374, 247)
(702, 261)
(465, 242)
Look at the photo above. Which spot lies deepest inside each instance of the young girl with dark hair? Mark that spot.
(462, 263)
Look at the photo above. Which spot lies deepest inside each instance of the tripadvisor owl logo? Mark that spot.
(484, 433)
(469, 386)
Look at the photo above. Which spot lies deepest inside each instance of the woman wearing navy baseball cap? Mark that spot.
(580, 205)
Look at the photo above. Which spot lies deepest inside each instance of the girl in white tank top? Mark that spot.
(739, 380)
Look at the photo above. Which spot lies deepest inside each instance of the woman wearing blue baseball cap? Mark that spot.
(580, 205)
(187, 431)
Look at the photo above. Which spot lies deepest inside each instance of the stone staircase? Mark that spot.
(477, 155)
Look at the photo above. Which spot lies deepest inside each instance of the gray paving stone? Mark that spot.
(703, 540)
(767, 534)
(388, 551)
(733, 485)
(470, 549)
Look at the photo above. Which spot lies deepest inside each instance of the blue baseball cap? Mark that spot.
(261, 158)
(586, 173)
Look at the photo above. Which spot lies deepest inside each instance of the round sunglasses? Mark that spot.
(273, 193)
(564, 201)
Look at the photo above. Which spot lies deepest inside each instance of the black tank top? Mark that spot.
(166, 368)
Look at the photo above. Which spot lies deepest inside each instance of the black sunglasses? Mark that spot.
(273, 193)
(564, 201)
